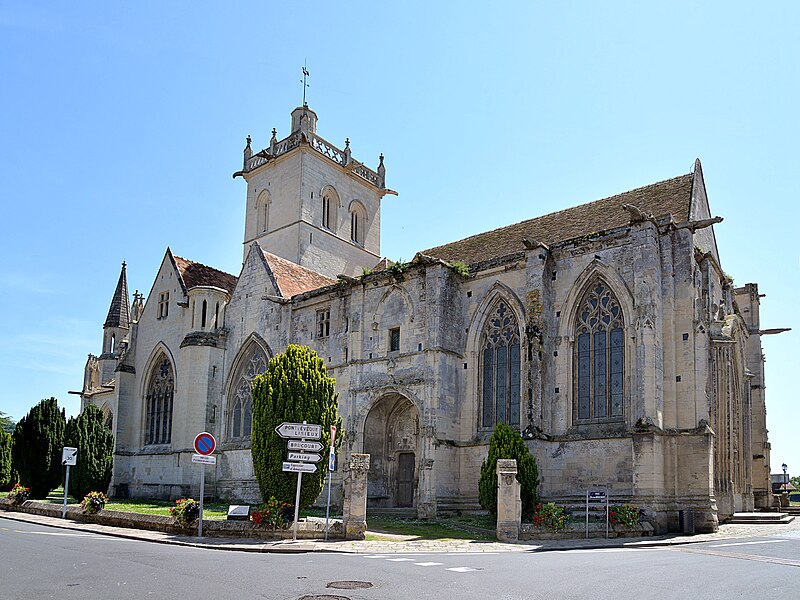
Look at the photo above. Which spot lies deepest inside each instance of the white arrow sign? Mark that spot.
(303, 457)
(299, 430)
(307, 446)
(290, 467)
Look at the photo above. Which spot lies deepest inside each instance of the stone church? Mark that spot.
(607, 334)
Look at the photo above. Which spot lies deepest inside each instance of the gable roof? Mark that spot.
(120, 309)
(196, 274)
(673, 196)
(293, 279)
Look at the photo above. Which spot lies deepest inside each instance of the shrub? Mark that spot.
(550, 516)
(295, 388)
(272, 514)
(460, 267)
(19, 494)
(95, 443)
(185, 512)
(506, 443)
(94, 502)
(625, 514)
(5, 461)
(36, 451)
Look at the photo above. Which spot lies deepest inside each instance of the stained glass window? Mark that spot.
(599, 356)
(160, 391)
(253, 362)
(500, 388)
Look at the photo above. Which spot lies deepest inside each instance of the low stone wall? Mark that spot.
(239, 529)
(528, 531)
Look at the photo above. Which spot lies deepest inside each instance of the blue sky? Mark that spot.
(120, 127)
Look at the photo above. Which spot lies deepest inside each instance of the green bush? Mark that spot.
(295, 388)
(36, 450)
(626, 515)
(95, 443)
(5, 461)
(185, 512)
(550, 516)
(507, 443)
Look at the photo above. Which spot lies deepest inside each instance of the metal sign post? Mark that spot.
(304, 432)
(69, 457)
(204, 445)
(331, 465)
(596, 495)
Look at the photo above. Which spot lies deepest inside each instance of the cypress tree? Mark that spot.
(36, 450)
(5, 460)
(507, 443)
(295, 388)
(95, 443)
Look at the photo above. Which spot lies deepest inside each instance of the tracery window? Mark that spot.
(253, 362)
(599, 356)
(500, 368)
(160, 391)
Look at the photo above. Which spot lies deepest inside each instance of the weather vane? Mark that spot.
(305, 83)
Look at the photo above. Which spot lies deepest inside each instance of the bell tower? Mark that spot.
(311, 202)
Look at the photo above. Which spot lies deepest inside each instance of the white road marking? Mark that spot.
(746, 543)
(54, 533)
(428, 564)
(400, 559)
(461, 569)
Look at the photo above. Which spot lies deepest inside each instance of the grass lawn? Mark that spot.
(478, 527)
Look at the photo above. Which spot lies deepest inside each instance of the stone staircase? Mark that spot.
(761, 518)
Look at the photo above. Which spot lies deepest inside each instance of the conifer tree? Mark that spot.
(295, 388)
(507, 443)
(95, 443)
(36, 450)
(5, 460)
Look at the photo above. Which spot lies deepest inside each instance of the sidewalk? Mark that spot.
(393, 544)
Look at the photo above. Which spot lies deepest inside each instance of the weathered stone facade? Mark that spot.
(607, 334)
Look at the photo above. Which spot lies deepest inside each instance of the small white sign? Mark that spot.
(304, 457)
(69, 456)
(290, 467)
(299, 430)
(307, 446)
(204, 460)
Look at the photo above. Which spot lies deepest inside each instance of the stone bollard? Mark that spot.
(354, 513)
(509, 504)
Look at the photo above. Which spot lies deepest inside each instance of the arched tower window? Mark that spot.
(500, 368)
(240, 406)
(160, 391)
(204, 310)
(599, 356)
(330, 202)
(262, 212)
(358, 223)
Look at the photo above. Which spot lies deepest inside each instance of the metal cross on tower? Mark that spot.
(305, 83)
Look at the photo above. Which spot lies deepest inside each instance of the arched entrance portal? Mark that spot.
(391, 438)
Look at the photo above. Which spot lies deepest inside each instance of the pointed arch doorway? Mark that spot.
(391, 438)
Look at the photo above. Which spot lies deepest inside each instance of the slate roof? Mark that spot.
(672, 196)
(195, 274)
(292, 279)
(120, 310)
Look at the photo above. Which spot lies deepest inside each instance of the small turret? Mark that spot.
(248, 152)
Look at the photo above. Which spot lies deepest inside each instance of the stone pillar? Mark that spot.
(509, 504)
(355, 497)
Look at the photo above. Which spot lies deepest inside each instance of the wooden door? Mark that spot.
(405, 479)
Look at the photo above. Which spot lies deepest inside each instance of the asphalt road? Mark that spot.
(42, 562)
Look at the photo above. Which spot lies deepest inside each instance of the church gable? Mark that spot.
(293, 279)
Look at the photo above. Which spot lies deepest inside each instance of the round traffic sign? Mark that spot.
(204, 443)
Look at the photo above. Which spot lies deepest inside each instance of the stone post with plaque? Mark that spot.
(509, 504)
(355, 497)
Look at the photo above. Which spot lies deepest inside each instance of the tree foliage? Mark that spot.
(295, 388)
(5, 461)
(95, 443)
(507, 443)
(6, 423)
(36, 450)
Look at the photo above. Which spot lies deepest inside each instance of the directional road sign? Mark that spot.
(204, 443)
(69, 456)
(299, 430)
(307, 446)
(290, 467)
(203, 459)
(303, 457)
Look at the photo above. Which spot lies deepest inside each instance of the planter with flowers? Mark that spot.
(19, 494)
(93, 502)
(185, 512)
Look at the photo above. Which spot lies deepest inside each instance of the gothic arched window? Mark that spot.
(160, 391)
(358, 223)
(500, 368)
(262, 212)
(240, 407)
(330, 202)
(599, 356)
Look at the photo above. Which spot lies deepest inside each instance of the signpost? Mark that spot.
(596, 495)
(302, 432)
(204, 445)
(331, 465)
(69, 457)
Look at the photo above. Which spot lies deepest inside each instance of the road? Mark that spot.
(43, 562)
